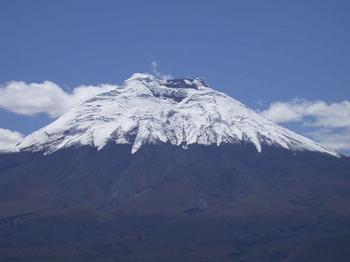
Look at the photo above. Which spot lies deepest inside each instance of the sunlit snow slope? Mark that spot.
(147, 109)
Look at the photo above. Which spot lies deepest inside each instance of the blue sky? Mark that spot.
(259, 52)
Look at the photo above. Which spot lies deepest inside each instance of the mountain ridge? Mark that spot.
(147, 110)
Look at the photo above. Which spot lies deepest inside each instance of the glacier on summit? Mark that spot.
(147, 109)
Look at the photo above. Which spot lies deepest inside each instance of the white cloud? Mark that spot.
(280, 112)
(330, 120)
(339, 140)
(47, 97)
(323, 115)
(154, 66)
(8, 138)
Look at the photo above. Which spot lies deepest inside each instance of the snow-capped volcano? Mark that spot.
(147, 109)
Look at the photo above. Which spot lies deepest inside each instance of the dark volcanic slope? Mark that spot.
(231, 179)
(227, 203)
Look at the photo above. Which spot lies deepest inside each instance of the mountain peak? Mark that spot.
(148, 109)
(152, 80)
(140, 77)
